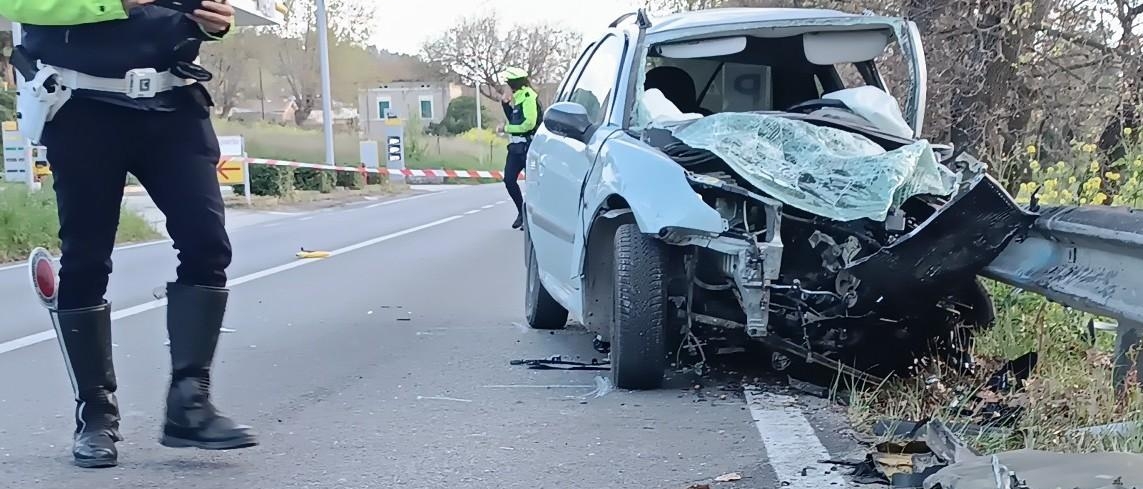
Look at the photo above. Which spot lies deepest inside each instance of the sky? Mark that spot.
(403, 25)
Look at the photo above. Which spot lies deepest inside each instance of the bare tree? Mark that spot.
(298, 61)
(230, 61)
(475, 51)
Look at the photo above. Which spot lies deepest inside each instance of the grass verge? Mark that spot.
(273, 141)
(28, 220)
(1070, 389)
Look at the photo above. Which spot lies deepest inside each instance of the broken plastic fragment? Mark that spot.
(731, 477)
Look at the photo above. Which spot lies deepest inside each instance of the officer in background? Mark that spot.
(158, 128)
(522, 109)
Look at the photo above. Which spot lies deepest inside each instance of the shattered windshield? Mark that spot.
(829, 172)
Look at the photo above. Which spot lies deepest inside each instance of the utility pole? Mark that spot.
(261, 92)
(478, 121)
(326, 97)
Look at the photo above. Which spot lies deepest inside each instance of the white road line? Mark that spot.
(117, 248)
(278, 213)
(793, 448)
(471, 212)
(489, 206)
(395, 201)
(42, 336)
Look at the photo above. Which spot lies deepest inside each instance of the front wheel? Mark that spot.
(638, 336)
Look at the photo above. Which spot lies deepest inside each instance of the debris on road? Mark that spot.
(407, 317)
(1034, 469)
(602, 388)
(556, 362)
(931, 456)
(307, 254)
(731, 477)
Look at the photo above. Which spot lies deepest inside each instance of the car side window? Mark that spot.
(564, 90)
(596, 83)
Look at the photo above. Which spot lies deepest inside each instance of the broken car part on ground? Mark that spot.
(735, 177)
(931, 456)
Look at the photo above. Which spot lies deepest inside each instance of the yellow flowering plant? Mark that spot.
(1083, 179)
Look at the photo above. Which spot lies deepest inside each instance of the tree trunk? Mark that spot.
(305, 108)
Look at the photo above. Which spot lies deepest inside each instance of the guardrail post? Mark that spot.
(1128, 336)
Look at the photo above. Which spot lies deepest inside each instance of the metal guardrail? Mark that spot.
(1087, 258)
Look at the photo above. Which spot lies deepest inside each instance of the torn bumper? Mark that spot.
(950, 247)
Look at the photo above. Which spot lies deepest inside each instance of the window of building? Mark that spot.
(426, 107)
(384, 106)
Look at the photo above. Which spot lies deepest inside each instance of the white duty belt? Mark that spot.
(139, 83)
(517, 139)
(40, 98)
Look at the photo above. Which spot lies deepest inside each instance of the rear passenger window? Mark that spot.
(596, 85)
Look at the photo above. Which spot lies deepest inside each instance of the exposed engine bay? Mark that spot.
(871, 292)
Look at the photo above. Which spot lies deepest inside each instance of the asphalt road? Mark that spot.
(386, 366)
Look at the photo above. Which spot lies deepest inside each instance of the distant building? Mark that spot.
(427, 100)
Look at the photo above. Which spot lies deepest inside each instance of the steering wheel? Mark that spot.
(815, 104)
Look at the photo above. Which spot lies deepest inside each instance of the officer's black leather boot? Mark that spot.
(85, 338)
(519, 222)
(194, 319)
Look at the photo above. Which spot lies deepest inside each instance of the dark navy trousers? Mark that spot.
(92, 146)
(513, 165)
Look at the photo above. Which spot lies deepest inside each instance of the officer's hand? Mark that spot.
(214, 16)
(130, 4)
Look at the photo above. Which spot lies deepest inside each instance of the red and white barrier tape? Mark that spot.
(384, 171)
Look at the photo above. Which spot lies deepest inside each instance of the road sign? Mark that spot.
(394, 149)
(231, 171)
(232, 146)
(369, 156)
(17, 155)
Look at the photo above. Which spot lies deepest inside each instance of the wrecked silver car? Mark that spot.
(737, 176)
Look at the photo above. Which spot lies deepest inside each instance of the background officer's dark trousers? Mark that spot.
(513, 165)
(92, 147)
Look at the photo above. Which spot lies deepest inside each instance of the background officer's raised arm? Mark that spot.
(526, 101)
(65, 12)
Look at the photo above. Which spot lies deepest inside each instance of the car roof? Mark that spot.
(717, 16)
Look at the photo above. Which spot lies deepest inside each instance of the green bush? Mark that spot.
(28, 220)
(7, 105)
(307, 179)
(274, 181)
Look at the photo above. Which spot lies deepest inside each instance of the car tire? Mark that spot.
(540, 308)
(638, 334)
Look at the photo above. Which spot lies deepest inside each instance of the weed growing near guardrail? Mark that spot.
(1084, 177)
(28, 219)
(1071, 387)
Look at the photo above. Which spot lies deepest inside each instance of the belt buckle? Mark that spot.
(142, 82)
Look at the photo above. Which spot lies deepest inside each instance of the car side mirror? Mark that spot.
(567, 119)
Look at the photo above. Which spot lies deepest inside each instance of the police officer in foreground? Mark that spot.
(522, 109)
(158, 128)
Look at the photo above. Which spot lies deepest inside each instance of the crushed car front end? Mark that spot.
(842, 238)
